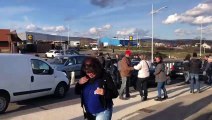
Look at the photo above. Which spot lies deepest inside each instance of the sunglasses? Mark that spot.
(88, 68)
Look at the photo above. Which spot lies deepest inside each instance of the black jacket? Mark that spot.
(109, 87)
(208, 68)
(101, 60)
(186, 65)
(205, 62)
(195, 65)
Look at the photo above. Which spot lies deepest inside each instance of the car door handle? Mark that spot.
(32, 78)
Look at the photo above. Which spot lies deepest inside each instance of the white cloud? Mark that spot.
(195, 16)
(199, 10)
(132, 31)
(206, 31)
(32, 27)
(203, 20)
(95, 30)
(48, 29)
(107, 26)
(172, 19)
(125, 32)
(182, 32)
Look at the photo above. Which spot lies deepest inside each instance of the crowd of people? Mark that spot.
(103, 77)
(193, 66)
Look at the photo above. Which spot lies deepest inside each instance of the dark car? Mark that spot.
(71, 52)
(177, 70)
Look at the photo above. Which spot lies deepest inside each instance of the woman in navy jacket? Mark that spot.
(97, 90)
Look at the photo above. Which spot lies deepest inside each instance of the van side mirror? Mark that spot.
(51, 71)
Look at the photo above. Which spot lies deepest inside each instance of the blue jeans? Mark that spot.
(105, 115)
(196, 78)
(125, 87)
(161, 86)
(187, 76)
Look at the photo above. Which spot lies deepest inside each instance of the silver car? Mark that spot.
(68, 64)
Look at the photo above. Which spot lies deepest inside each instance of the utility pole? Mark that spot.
(201, 42)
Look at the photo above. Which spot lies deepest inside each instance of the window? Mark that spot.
(4, 44)
(71, 61)
(80, 59)
(40, 67)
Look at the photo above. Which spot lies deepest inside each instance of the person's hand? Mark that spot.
(83, 80)
(99, 91)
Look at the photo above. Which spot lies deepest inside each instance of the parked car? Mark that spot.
(177, 70)
(53, 53)
(71, 52)
(68, 64)
(26, 76)
(95, 48)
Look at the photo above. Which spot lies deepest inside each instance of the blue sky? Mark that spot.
(92, 18)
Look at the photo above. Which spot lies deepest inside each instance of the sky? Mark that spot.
(179, 19)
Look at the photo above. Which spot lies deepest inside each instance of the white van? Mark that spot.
(25, 76)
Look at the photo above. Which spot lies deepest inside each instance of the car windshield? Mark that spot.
(59, 60)
(51, 51)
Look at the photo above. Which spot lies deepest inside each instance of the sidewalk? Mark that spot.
(196, 106)
(131, 109)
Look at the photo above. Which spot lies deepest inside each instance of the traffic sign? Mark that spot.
(131, 38)
(30, 37)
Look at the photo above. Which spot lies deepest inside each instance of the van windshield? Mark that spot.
(59, 60)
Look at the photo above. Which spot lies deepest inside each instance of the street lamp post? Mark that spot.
(154, 12)
(68, 37)
(200, 51)
(152, 57)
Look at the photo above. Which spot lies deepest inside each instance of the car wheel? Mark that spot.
(52, 56)
(4, 101)
(60, 90)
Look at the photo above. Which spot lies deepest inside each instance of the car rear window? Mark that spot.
(178, 64)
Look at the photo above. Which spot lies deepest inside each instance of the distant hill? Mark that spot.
(178, 41)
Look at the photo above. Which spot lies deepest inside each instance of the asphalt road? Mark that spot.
(40, 104)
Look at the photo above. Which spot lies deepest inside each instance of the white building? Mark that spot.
(159, 44)
(206, 46)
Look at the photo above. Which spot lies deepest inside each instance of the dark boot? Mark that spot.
(165, 97)
(158, 99)
(191, 91)
(165, 94)
(144, 99)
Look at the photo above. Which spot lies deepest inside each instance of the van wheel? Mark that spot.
(60, 90)
(4, 101)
